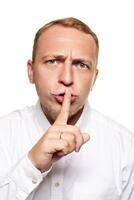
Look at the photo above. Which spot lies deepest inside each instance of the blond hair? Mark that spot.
(65, 22)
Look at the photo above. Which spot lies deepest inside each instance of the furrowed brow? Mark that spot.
(56, 56)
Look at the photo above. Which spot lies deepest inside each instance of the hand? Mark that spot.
(59, 140)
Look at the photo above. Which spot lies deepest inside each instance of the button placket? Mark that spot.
(57, 180)
(57, 184)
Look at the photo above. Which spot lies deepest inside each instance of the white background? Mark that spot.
(113, 21)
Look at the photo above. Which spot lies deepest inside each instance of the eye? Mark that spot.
(83, 66)
(51, 61)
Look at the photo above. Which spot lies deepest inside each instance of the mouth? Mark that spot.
(60, 98)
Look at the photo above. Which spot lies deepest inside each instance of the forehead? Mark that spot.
(65, 39)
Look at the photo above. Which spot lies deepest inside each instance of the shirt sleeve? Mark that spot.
(128, 177)
(21, 180)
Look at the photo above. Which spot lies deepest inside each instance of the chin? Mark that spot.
(52, 110)
(75, 109)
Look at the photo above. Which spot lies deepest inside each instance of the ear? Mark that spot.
(95, 77)
(30, 71)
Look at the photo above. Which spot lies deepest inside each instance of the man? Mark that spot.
(61, 149)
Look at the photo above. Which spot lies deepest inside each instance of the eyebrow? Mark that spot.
(74, 60)
(53, 56)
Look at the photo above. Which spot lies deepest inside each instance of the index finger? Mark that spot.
(62, 118)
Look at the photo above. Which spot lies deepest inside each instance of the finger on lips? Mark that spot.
(64, 112)
(70, 135)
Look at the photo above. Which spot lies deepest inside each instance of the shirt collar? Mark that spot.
(41, 118)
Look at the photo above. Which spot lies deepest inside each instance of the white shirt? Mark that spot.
(102, 170)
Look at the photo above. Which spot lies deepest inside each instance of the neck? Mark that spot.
(73, 119)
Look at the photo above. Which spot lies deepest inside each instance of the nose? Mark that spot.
(66, 75)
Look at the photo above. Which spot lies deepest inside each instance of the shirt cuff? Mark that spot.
(44, 173)
(26, 176)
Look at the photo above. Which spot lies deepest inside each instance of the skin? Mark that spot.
(65, 63)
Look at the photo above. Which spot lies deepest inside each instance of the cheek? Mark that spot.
(41, 83)
(84, 85)
(42, 78)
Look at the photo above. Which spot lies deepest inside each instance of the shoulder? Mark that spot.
(15, 119)
(114, 138)
(17, 114)
(112, 129)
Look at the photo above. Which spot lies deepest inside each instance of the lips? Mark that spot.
(60, 98)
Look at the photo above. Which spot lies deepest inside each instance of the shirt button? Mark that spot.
(34, 180)
(57, 184)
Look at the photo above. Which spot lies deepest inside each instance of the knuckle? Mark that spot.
(71, 136)
(65, 144)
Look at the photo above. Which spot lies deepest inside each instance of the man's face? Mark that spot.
(65, 59)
